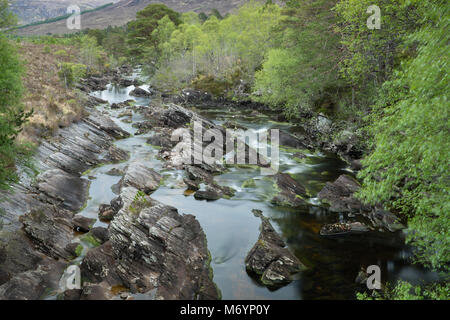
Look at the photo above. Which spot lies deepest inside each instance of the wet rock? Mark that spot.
(82, 224)
(32, 284)
(115, 172)
(126, 82)
(143, 127)
(270, 260)
(101, 234)
(291, 141)
(94, 101)
(107, 125)
(106, 213)
(290, 192)
(161, 139)
(61, 188)
(208, 194)
(50, 231)
(337, 229)
(73, 248)
(127, 113)
(74, 294)
(356, 165)
(139, 92)
(339, 195)
(141, 177)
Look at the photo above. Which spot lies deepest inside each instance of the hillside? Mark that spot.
(125, 10)
(29, 11)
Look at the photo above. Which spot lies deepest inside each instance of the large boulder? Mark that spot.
(339, 195)
(141, 177)
(139, 92)
(289, 191)
(270, 260)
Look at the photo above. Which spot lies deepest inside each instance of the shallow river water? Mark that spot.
(232, 229)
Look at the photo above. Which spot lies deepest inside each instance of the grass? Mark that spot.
(54, 105)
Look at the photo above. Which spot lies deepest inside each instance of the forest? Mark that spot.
(383, 89)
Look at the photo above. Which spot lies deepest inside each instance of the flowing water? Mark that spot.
(232, 229)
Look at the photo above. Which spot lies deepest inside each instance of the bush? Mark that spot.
(71, 73)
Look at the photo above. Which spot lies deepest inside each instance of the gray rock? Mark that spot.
(141, 177)
(270, 260)
(289, 192)
(139, 92)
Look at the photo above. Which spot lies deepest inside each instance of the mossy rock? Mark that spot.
(250, 183)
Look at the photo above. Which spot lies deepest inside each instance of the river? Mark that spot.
(232, 229)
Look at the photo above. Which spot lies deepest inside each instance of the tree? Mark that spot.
(140, 30)
(7, 18)
(12, 114)
(407, 167)
(302, 71)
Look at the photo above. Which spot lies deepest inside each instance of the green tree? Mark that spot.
(140, 30)
(301, 72)
(12, 114)
(7, 18)
(408, 166)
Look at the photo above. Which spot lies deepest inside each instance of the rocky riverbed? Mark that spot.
(113, 198)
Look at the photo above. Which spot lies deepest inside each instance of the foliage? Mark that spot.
(140, 30)
(7, 18)
(302, 70)
(406, 291)
(12, 114)
(71, 73)
(219, 51)
(408, 167)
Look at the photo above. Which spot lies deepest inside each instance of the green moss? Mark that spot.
(79, 250)
(91, 240)
(250, 183)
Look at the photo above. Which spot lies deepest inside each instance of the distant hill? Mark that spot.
(29, 11)
(122, 12)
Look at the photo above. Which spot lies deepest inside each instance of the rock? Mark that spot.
(82, 224)
(291, 141)
(94, 101)
(74, 294)
(139, 92)
(141, 177)
(338, 229)
(143, 127)
(126, 82)
(74, 249)
(161, 140)
(34, 248)
(61, 188)
(115, 172)
(107, 125)
(339, 195)
(270, 260)
(32, 284)
(106, 213)
(208, 194)
(290, 192)
(101, 234)
(96, 292)
(50, 231)
(127, 113)
(356, 165)
(151, 247)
